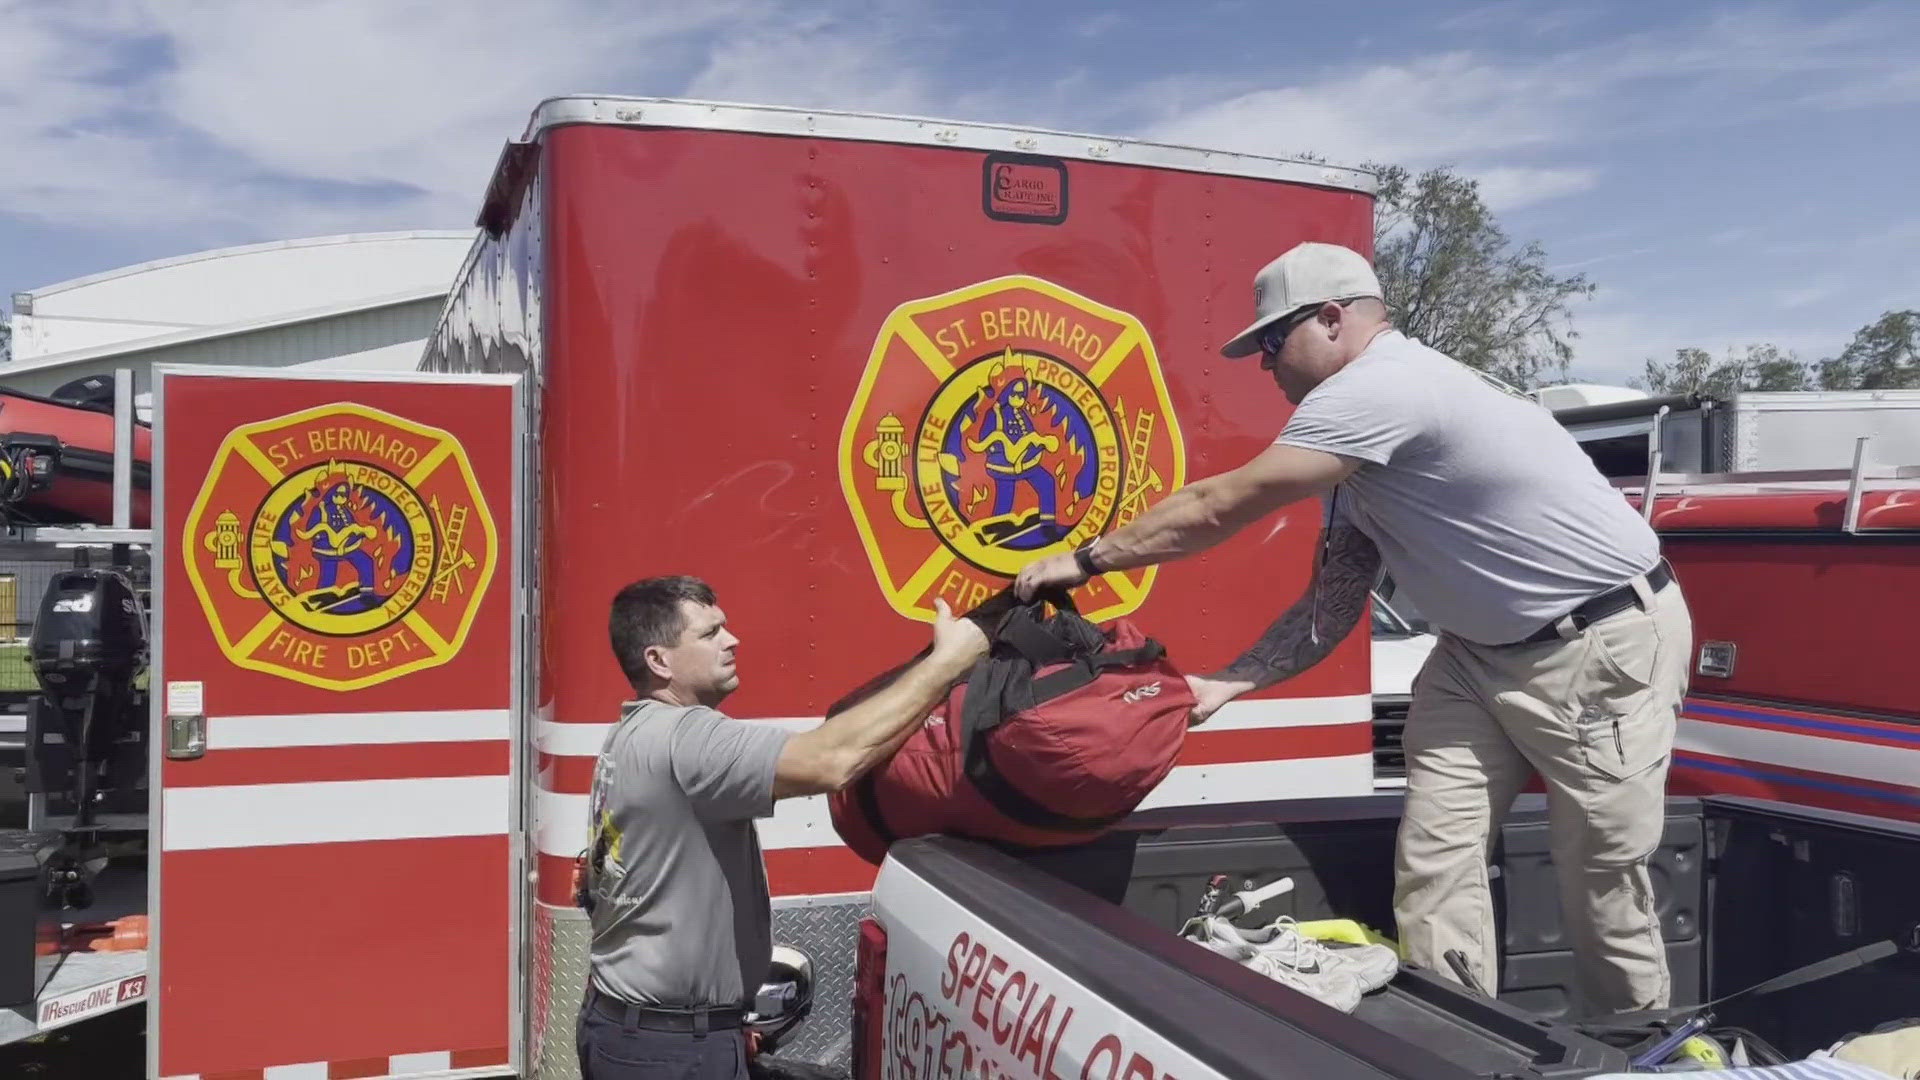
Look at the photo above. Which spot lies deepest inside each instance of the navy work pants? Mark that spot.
(612, 1050)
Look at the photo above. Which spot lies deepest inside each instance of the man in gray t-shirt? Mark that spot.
(1564, 646)
(682, 927)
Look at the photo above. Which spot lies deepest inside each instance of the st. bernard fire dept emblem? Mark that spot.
(340, 547)
(1000, 423)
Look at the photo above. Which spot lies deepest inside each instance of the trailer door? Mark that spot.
(337, 678)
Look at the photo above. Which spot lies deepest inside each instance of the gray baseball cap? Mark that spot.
(1308, 274)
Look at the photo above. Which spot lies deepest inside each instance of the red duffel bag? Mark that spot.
(1057, 734)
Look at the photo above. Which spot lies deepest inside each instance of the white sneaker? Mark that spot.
(1324, 980)
(1330, 986)
(1372, 966)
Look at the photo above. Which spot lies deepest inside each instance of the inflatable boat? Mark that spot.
(56, 462)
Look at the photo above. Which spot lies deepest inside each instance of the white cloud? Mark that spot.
(846, 66)
(274, 119)
(1507, 187)
(1532, 127)
(232, 118)
(1523, 16)
(1825, 287)
(1431, 110)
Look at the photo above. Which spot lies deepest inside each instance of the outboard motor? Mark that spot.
(86, 730)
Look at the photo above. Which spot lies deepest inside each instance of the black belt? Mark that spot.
(1611, 602)
(662, 1018)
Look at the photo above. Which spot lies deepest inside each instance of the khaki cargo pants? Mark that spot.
(1594, 714)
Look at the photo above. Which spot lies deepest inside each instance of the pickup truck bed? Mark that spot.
(1747, 890)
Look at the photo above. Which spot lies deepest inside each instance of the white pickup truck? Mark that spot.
(1068, 966)
(1400, 645)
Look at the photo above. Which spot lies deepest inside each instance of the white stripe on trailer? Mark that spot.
(429, 1063)
(1853, 760)
(806, 822)
(570, 740)
(562, 822)
(1263, 781)
(336, 811)
(585, 740)
(1290, 712)
(352, 729)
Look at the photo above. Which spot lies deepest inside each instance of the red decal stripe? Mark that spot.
(1694, 781)
(805, 871)
(556, 880)
(1902, 790)
(1690, 780)
(357, 1068)
(1276, 744)
(1789, 728)
(315, 764)
(479, 1059)
(568, 774)
(815, 870)
(1892, 726)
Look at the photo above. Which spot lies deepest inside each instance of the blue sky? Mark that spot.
(1726, 173)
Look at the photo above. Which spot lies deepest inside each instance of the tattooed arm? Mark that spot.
(1196, 517)
(1297, 640)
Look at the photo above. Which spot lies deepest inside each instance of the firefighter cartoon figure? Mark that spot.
(342, 547)
(1016, 455)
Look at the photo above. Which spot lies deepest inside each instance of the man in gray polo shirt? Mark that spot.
(1565, 642)
(682, 927)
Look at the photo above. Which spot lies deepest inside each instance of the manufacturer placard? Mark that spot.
(1025, 188)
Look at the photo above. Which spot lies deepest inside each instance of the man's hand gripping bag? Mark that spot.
(1058, 733)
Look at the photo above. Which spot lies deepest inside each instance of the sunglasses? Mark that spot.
(1273, 337)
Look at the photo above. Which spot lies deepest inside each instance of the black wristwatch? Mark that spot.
(1083, 557)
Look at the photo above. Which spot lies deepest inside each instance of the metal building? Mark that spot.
(364, 300)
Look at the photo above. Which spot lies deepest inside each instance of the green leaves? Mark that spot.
(1455, 281)
(1883, 355)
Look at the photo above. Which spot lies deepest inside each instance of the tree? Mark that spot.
(1454, 280)
(6, 341)
(1693, 371)
(1883, 355)
(1768, 367)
